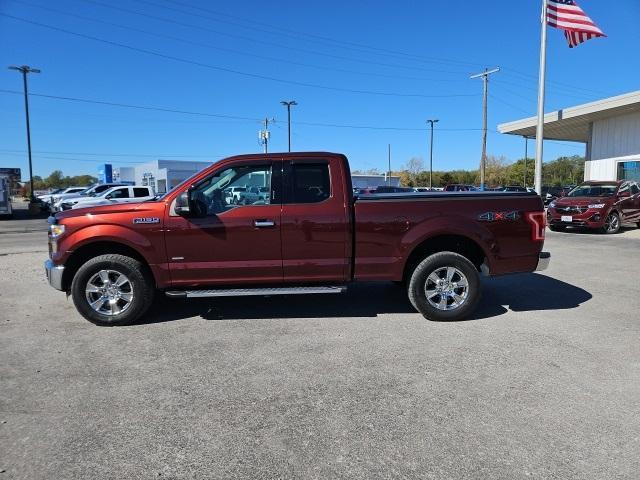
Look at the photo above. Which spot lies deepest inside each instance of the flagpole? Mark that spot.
(541, 81)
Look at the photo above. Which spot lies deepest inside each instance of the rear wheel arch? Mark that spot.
(93, 249)
(454, 243)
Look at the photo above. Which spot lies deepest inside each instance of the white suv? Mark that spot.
(92, 191)
(122, 194)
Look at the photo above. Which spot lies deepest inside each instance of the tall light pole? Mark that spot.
(431, 154)
(389, 165)
(25, 69)
(526, 145)
(289, 104)
(485, 90)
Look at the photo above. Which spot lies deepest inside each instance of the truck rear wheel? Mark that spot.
(445, 286)
(112, 290)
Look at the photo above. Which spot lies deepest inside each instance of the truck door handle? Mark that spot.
(263, 223)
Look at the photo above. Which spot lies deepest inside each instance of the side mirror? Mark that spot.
(182, 204)
(625, 194)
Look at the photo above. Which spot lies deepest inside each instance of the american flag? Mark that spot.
(568, 16)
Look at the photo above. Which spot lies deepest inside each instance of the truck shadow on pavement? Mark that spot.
(519, 293)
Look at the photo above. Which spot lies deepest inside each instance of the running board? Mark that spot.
(247, 292)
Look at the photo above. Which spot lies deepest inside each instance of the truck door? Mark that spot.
(315, 221)
(224, 242)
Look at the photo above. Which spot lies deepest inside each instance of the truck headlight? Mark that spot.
(596, 205)
(55, 230)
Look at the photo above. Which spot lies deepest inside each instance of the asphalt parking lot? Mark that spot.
(543, 382)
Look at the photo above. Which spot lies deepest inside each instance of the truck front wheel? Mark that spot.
(112, 290)
(445, 286)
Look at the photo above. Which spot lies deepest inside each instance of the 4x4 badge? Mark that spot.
(497, 216)
(146, 220)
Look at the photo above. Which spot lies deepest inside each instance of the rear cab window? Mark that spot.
(308, 182)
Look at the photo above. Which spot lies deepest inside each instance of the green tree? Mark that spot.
(55, 179)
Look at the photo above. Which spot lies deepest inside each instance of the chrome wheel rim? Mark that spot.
(612, 223)
(446, 288)
(109, 292)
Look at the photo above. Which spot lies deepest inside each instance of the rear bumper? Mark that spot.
(543, 261)
(54, 274)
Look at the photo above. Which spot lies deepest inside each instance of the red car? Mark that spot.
(597, 205)
(309, 235)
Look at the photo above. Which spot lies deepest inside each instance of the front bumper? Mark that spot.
(543, 261)
(589, 219)
(54, 274)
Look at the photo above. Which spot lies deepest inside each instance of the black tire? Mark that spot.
(611, 224)
(434, 264)
(557, 228)
(140, 285)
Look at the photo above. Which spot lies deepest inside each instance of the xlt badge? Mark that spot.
(146, 220)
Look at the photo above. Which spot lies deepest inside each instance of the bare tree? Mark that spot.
(414, 166)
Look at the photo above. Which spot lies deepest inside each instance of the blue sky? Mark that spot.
(236, 59)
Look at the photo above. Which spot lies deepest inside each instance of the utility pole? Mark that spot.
(485, 93)
(25, 69)
(389, 169)
(431, 154)
(289, 104)
(265, 135)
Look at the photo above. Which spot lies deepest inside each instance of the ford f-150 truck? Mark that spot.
(309, 236)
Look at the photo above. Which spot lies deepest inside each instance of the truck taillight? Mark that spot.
(538, 225)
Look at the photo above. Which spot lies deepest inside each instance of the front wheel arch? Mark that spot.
(80, 256)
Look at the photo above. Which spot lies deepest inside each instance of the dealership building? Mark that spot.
(161, 175)
(610, 129)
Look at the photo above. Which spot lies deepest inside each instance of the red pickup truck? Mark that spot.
(309, 234)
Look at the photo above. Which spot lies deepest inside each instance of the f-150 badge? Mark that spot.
(146, 220)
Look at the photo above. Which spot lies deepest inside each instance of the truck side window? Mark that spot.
(310, 182)
(231, 188)
(140, 192)
(119, 193)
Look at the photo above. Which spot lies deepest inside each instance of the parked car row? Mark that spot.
(454, 187)
(99, 194)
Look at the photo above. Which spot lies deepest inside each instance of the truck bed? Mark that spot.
(390, 227)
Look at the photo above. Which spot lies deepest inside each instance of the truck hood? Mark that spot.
(100, 210)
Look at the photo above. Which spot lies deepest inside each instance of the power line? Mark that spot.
(279, 30)
(186, 112)
(262, 42)
(230, 50)
(166, 155)
(229, 70)
(139, 107)
(510, 105)
(568, 86)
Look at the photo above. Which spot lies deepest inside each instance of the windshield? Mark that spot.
(601, 190)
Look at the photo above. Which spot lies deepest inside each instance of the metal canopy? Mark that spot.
(573, 123)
